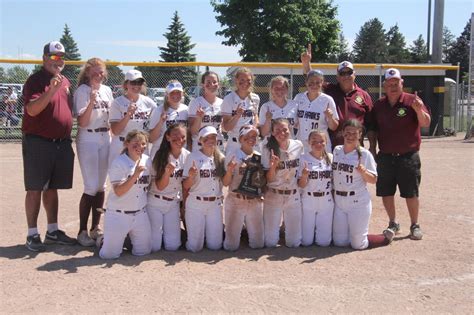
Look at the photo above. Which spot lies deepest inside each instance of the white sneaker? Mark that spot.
(84, 239)
(96, 232)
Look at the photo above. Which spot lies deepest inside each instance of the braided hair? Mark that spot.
(356, 124)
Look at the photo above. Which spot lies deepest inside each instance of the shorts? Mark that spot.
(402, 170)
(47, 164)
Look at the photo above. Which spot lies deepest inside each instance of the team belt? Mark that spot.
(208, 198)
(345, 193)
(122, 139)
(128, 211)
(240, 196)
(398, 154)
(318, 194)
(55, 140)
(104, 129)
(163, 197)
(283, 192)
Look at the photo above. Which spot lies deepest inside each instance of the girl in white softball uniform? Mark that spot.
(203, 171)
(315, 177)
(239, 108)
(353, 167)
(171, 112)
(239, 208)
(126, 211)
(278, 107)
(281, 158)
(205, 110)
(166, 193)
(129, 112)
(316, 110)
(92, 102)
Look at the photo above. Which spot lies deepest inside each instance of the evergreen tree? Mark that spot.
(418, 51)
(16, 74)
(178, 49)
(448, 42)
(460, 50)
(342, 52)
(278, 30)
(396, 46)
(2, 75)
(370, 44)
(72, 53)
(115, 75)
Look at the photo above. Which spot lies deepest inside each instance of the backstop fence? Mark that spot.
(437, 85)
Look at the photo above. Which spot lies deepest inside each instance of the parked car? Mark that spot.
(157, 94)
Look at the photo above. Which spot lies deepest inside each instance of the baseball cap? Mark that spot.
(132, 75)
(208, 130)
(54, 48)
(245, 129)
(345, 64)
(174, 86)
(315, 72)
(392, 73)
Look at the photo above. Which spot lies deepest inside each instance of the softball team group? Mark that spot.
(160, 179)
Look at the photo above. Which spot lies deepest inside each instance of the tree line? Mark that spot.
(277, 31)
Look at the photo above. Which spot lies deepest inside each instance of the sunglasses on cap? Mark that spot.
(137, 82)
(56, 57)
(346, 73)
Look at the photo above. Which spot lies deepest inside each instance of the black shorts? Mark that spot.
(403, 170)
(47, 164)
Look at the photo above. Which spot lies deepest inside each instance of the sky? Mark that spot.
(131, 30)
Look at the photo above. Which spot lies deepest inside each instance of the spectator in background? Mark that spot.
(9, 107)
(48, 158)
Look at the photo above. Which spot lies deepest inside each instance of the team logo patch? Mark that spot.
(359, 100)
(402, 112)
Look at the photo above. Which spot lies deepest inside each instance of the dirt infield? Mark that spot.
(434, 275)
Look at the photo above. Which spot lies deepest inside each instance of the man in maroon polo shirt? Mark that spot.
(48, 158)
(352, 102)
(396, 121)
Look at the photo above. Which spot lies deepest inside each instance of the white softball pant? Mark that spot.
(118, 225)
(317, 219)
(237, 212)
(165, 223)
(93, 159)
(273, 206)
(203, 221)
(351, 221)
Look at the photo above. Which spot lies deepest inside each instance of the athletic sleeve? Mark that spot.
(187, 165)
(81, 100)
(262, 115)
(226, 108)
(115, 113)
(332, 106)
(265, 158)
(192, 108)
(155, 116)
(117, 172)
(369, 163)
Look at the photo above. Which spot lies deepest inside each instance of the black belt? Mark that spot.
(127, 211)
(284, 192)
(318, 194)
(55, 140)
(122, 139)
(244, 197)
(104, 129)
(207, 198)
(163, 197)
(345, 193)
(235, 139)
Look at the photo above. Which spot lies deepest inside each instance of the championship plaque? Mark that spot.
(253, 179)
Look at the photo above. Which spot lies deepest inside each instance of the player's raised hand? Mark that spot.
(361, 168)
(274, 160)
(232, 164)
(305, 171)
(94, 93)
(193, 170)
(306, 55)
(169, 168)
(139, 168)
(200, 112)
(239, 111)
(268, 115)
(417, 103)
(132, 107)
(56, 82)
(328, 112)
(163, 116)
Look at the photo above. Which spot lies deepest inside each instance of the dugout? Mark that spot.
(428, 80)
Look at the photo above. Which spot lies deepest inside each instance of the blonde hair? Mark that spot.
(166, 103)
(279, 78)
(132, 135)
(84, 74)
(244, 70)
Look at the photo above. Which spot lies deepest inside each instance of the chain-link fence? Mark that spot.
(427, 80)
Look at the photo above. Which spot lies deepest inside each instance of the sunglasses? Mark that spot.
(56, 57)
(136, 82)
(346, 73)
